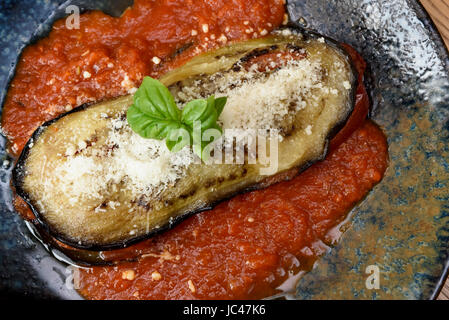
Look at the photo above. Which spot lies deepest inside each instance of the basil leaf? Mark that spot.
(200, 110)
(150, 127)
(178, 139)
(220, 104)
(154, 113)
(216, 126)
(155, 100)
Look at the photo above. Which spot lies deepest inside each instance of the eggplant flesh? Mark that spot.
(64, 172)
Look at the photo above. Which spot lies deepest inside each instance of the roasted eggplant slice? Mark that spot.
(95, 184)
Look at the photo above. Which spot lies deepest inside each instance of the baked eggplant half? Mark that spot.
(95, 184)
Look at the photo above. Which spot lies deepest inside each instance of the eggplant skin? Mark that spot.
(200, 187)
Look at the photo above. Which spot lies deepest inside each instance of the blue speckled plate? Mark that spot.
(402, 227)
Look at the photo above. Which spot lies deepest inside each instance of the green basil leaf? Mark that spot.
(216, 126)
(206, 112)
(149, 127)
(154, 112)
(220, 104)
(199, 110)
(178, 139)
(192, 111)
(154, 115)
(155, 100)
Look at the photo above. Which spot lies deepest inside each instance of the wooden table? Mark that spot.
(439, 11)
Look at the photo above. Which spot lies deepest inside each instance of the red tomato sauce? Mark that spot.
(245, 247)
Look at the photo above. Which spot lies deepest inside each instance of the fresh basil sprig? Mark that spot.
(154, 115)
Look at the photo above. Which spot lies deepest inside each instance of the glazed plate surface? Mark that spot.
(402, 227)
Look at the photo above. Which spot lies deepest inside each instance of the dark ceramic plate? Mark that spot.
(402, 227)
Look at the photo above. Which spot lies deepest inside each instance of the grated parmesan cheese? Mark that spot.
(270, 102)
(146, 165)
(272, 105)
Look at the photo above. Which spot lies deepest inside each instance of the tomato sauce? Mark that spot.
(248, 246)
(245, 247)
(254, 245)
